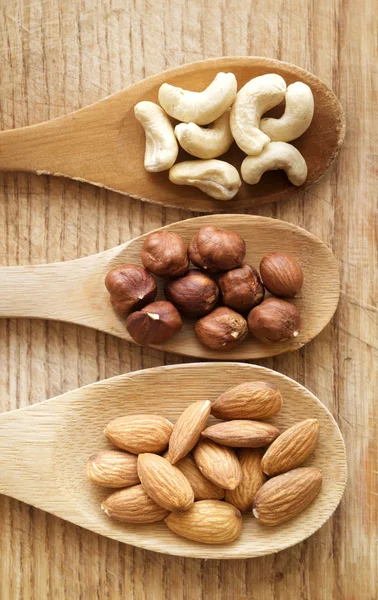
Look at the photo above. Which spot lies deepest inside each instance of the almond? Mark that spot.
(249, 400)
(252, 479)
(217, 463)
(164, 483)
(203, 488)
(113, 469)
(133, 505)
(207, 521)
(242, 434)
(285, 496)
(139, 433)
(187, 429)
(292, 448)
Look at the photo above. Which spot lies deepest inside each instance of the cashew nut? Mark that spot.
(296, 118)
(252, 101)
(207, 142)
(275, 156)
(161, 144)
(201, 108)
(216, 178)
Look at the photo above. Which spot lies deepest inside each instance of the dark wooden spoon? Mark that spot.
(104, 144)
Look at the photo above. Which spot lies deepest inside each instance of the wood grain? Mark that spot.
(44, 449)
(56, 57)
(74, 291)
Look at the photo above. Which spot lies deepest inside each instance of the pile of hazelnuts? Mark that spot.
(222, 292)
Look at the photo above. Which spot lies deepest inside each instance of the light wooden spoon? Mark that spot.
(74, 291)
(104, 144)
(44, 448)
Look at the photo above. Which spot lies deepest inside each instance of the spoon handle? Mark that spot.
(30, 456)
(49, 147)
(26, 453)
(77, 145)
(42, 291)
(66, 291)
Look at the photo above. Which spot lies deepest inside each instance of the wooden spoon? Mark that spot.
(44, 448)
(104, 144)
(74, 291)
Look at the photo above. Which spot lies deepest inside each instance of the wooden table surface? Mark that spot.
(59, 55)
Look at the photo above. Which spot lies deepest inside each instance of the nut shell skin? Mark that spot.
(292, 448)
(222, 329)
(207, 521)
(113, 469)
(154, 324)
(285, 496)
(274, 320)
(139, 433)
(130, 287)
(252, 480)
(195, 294)
(187, 429)
(164, 483)
(281, 274)
(242, 434)
(218, 463)
(203, 488)
(215, 250)
(133, 505)
(248, 400)
(165, 254)
(241, 288)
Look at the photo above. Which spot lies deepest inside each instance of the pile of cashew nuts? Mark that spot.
(211, 120)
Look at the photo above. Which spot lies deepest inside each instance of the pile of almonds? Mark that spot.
(199, 478)
(222, 292)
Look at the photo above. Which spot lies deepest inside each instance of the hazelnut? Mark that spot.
(215, 250)
(165, 254)
(154, 324)
(222, 329)
(195, 294)
(281, 274)
(274, 320)
(241, 288)
(130, 287)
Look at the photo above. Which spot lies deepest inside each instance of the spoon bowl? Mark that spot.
(74, 291)
(44, 448)
(104, 144)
